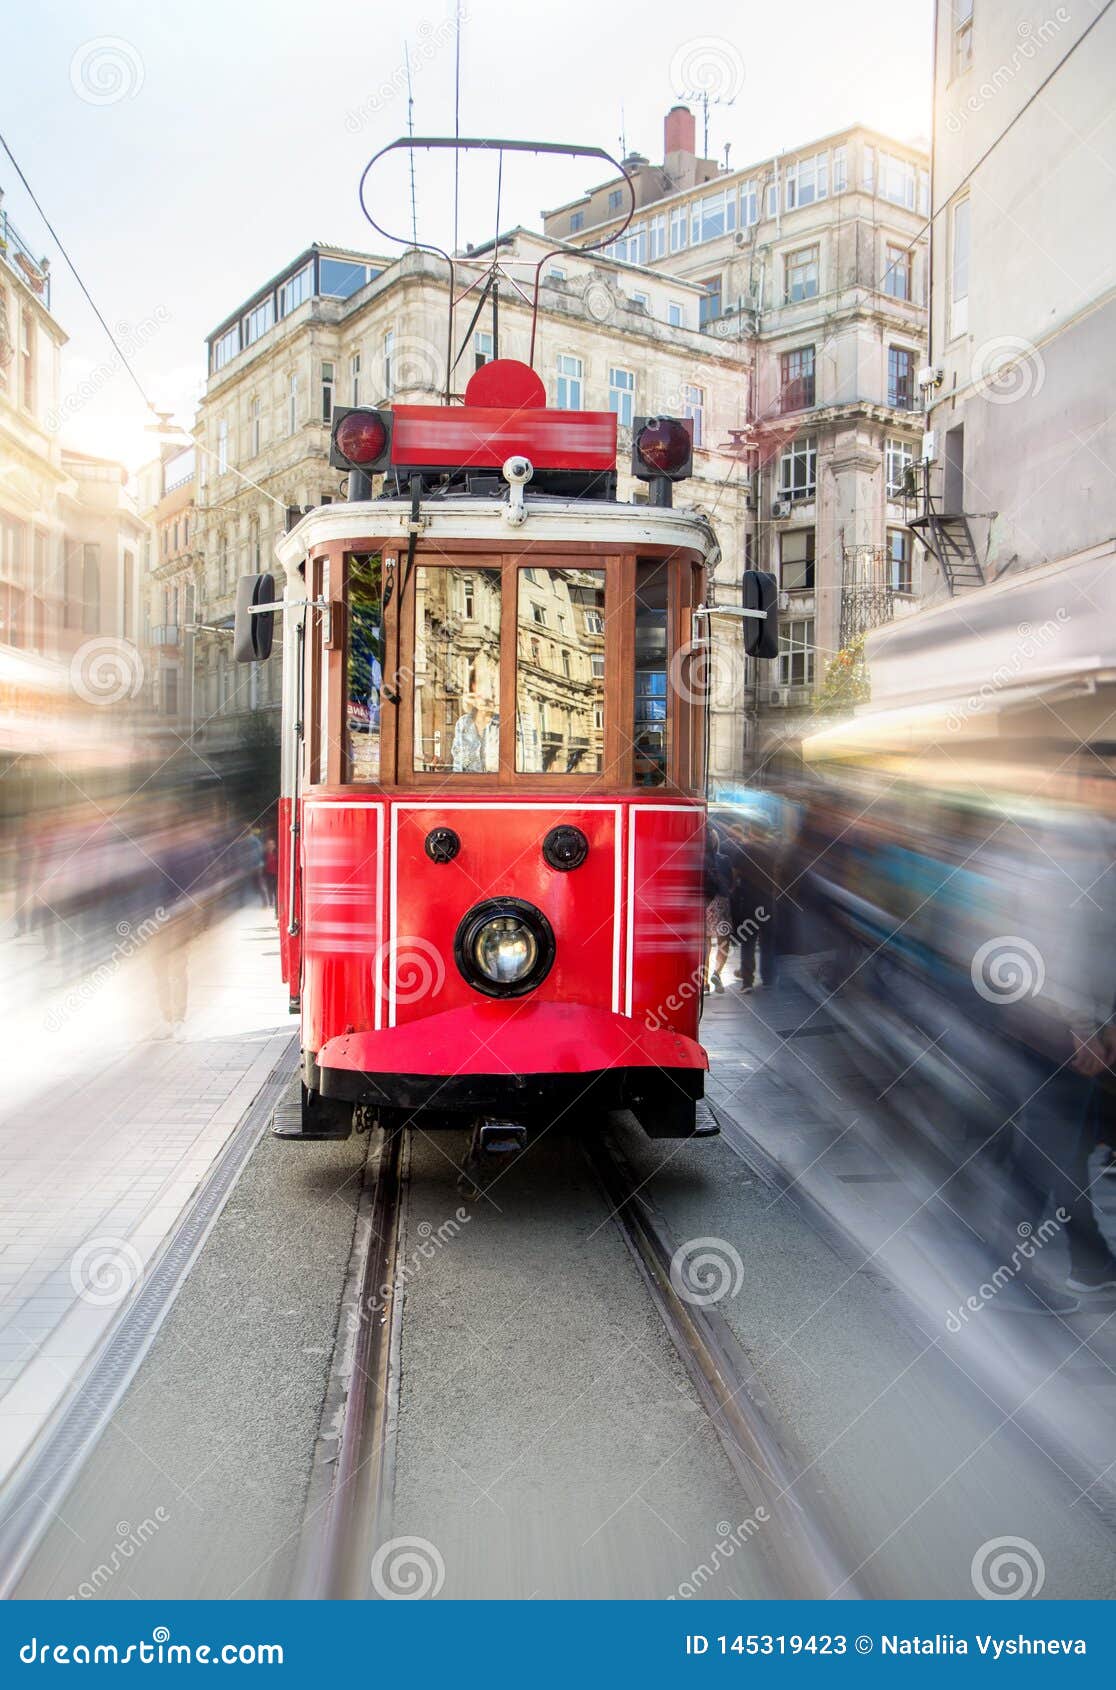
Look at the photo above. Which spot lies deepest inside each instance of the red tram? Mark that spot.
(492, 816)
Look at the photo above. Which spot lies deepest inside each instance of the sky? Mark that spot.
(185, 154)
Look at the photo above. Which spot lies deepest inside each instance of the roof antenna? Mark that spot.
(623, 136)
(411, 133)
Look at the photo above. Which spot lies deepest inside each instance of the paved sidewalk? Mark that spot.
(108, 1128)
(785, 1079)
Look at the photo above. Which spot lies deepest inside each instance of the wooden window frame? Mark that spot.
(326, 684)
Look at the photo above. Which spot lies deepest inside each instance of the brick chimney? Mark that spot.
(679, 131)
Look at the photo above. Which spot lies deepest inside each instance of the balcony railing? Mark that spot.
(17, 255)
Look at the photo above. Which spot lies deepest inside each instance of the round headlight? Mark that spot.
(504, 947)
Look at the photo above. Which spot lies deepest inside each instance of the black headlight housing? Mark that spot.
(504, 947)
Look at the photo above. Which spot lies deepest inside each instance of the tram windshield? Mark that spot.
(457, 670)
(560, 671)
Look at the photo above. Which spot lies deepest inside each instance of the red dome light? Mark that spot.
(664, 445)
(360, 437)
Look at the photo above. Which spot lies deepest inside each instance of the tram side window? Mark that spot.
(364, 667)
(560, 686)
(651, 674)
(457, 671)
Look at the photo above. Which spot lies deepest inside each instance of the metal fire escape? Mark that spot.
(946, 535)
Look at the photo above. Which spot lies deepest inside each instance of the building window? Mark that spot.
(749, 205)
(796, 385)
(798, 469)
(643, 299)
(254, 416)
(899, 560)
(796, 653)
(226, 347)
(5, 340)
(577, 221)
(259, 320)
(900, 378)
(354, 377)
(709, 305)
(621, 395)
(807, 180)
(296, 290)
(674, 314)
(959, 269)
(679, 219)
(898, 458)
(796, 561)
(327, 393)
(222, 446)
(657, 237)
(868, 169)
(897, 180)
(482, 349)
(962, 35)
(468, 598)
(615, 199)
(292, 404)
(538, 614)
(772, 198)
(632, 247)
(341, 277)
(840, 169)
(597, 664)
(713, 216)
(569, 382)
(26, 360)
(802, 274)
(389, 353)
(897, 275)
(693, 407)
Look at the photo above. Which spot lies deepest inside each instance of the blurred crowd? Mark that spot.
(84, 885)
(960, 925)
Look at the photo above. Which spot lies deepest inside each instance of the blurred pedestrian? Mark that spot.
(718, 922)
(271, 871)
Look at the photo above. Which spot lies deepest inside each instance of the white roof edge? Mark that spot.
(446, 520)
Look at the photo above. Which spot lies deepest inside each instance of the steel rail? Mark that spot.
(801, 1540)
(348, 1505)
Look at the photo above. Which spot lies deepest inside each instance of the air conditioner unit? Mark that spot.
(781, 508)
(930, 375)
(776, 695)
(784, 601)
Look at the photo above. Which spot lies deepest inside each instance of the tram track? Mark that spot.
(350, 1499)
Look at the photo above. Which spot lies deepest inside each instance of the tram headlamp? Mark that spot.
(361, 439)
(504, 947)
(662, 446)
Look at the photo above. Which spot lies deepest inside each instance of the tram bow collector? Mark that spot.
(492, 815)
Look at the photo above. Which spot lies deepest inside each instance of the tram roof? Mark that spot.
(549, 520)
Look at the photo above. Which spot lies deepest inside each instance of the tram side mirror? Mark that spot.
(254, 628)
(761, 634)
